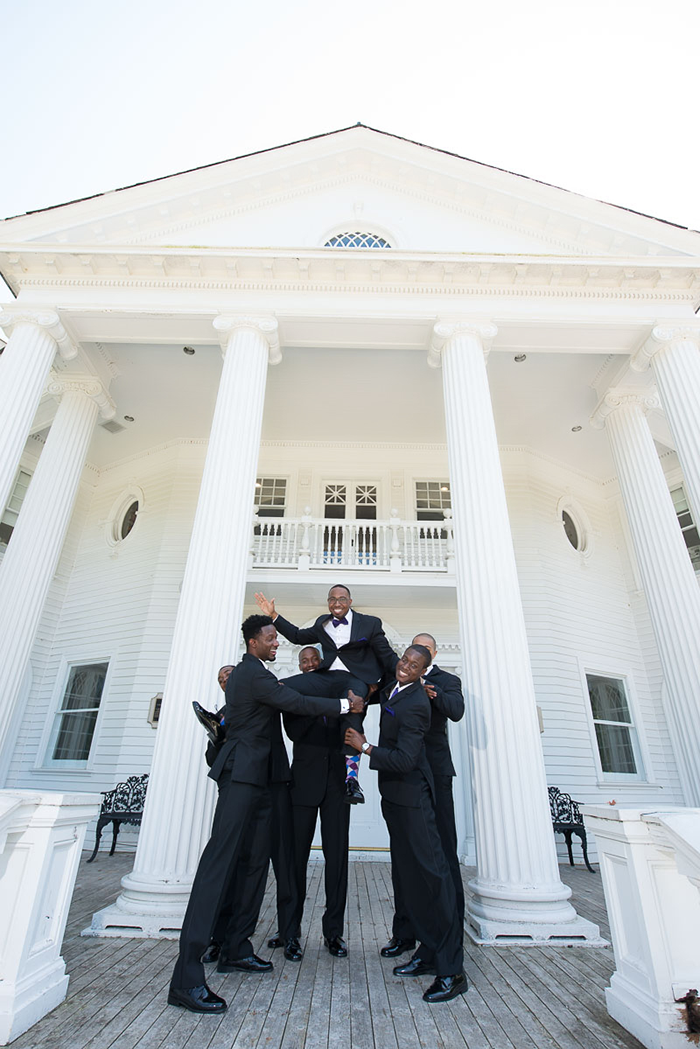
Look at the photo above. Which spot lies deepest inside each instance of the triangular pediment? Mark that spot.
(417, 198)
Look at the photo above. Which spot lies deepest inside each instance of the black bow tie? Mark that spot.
(337, 622)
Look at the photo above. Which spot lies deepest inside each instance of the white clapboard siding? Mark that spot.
(120, 604)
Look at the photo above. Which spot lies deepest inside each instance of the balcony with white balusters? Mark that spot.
(393, 546)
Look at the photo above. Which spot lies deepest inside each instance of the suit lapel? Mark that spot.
(322, 621)
(356, 628)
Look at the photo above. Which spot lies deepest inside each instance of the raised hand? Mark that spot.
(266, 607)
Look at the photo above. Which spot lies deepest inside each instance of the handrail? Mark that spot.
(390, 546)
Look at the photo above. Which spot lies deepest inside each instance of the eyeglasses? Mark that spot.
(338, 600)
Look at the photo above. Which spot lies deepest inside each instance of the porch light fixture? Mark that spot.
(576, 429)
(520, 357)
(128, 418)
(189, 350)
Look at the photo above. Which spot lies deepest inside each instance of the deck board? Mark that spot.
(519, 997)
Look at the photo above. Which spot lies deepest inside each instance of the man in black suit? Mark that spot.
(318, 787)
(281, 852)
(253, 698)
(446, 701)
(418, 862)
(355, 655)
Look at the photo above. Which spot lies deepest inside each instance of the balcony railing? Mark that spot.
(382, 546)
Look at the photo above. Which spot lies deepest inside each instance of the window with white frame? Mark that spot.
(270, 496)
(74, 726)
(9, 518)
(616, 736)
(689, 527)
(432, 499)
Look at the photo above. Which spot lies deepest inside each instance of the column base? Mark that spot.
(111, 921)
(24, 1003)
(576, 933)
(499, 915)
(657, 1025)
(146, 909)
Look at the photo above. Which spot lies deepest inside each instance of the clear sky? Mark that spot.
(596, 96)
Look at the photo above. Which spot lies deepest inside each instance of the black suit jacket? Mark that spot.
(448, 703)
(318, 755)
(400, 757)
(279, 762)
(367, 654)
(254, 698)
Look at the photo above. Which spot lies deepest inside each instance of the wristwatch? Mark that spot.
(366, 746)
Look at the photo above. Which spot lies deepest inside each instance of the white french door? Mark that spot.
(347, 539)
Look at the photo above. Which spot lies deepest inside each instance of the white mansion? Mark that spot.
(472, 397)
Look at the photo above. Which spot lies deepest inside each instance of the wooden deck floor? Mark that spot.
(519, 998)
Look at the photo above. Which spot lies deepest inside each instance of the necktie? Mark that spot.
(337, 622)
(396, 689)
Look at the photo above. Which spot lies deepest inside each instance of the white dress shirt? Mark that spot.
(341, 636)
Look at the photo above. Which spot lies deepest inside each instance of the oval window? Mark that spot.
(571, 530)
(129, 519)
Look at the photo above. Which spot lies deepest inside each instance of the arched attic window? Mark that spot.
(357, 240)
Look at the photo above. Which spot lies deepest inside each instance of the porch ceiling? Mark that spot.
(388, 396)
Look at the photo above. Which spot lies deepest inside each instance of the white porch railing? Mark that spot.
(650, 864)
(388, 546)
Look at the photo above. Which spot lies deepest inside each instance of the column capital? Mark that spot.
(663, 335)
(227, 323)
(623, 396)
(87, 384)
(47, 319)
(445, 330)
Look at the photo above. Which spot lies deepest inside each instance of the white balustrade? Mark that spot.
(41, 835)
(308, 542)
(650, 867)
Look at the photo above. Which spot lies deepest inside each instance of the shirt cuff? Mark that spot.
(345, 706)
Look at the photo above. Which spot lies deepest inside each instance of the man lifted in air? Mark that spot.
(356, 654)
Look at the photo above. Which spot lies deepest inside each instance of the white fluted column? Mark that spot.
(517, 891)
(32, 555)
(674, 353)
(180, 798)
(24, 368)
(666, 571)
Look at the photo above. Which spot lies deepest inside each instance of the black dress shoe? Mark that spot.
(415, 967)
(211, 722)
(197, 999)
(212, 953)
(396, 946)
(275, 941)
(443, 988)
(353, 792)
(337, 946)
(251, 964)
(293, 951)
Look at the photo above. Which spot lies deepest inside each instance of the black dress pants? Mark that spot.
(282, 856)
(241, 826)
(335, 827)
(420, 872)
(445, 821)
(333, 683)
